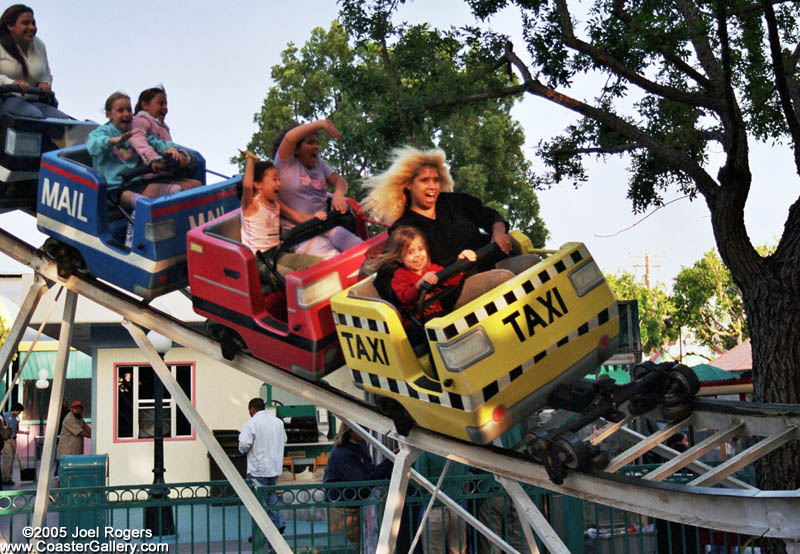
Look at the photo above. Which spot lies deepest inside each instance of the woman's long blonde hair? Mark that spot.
(387, 198)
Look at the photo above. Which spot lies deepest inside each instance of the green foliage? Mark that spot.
(655, 310)
(3, 330)
(377, 96)
(707, 300)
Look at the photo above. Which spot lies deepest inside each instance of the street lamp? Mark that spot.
(41, 385)
(158, 519)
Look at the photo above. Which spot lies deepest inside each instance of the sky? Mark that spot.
(214, 59)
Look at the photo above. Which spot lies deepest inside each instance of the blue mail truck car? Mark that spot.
(78, 210)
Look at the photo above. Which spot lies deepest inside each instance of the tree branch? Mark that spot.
(613, 64)
(756, 8)
(705, 183)
(702, 48)
(387, 62)
(599, 150)
(488, 95)
(789, 113)
(619, 12)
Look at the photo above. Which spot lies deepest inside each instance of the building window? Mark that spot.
(135, 406)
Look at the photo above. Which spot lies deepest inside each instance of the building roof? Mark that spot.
(736, 359)
(711, 374)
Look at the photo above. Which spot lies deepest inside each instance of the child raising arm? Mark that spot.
(260, 222)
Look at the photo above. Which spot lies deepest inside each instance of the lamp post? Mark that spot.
(158, 519)
(41, 385)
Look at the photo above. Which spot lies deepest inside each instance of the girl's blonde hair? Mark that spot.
(387, 198)
(397, 246)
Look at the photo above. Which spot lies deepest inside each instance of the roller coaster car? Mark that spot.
(23, 140)
(87, 229)
(291, 328)
(495, 359)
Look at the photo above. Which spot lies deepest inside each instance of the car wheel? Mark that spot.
(400, 417)
(671, 414)
(227, 343)
(577, 452)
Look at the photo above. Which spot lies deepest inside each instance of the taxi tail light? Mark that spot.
(586, 277)
(602, 345)
(318, 291)
(498, 413)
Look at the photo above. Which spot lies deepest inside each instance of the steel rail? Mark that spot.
(755, 512)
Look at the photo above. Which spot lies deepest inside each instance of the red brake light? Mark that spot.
(499, 413)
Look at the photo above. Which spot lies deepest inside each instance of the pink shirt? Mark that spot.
(148, 125)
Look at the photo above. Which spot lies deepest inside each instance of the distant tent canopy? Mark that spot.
(78, 384)
(711, 374)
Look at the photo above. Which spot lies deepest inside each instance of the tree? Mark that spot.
(655, 310)
(708, 301)
(3, 330)
(365, 98)
(672, 81)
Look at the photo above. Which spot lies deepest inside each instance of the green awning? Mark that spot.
(618, 373)
(79, 365)
(711, 374)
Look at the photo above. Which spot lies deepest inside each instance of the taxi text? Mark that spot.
(547, 312)
(366, 348)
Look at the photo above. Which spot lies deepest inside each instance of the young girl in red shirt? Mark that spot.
(405, 265)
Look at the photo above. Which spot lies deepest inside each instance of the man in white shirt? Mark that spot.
(263, 439)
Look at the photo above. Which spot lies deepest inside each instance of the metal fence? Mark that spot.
(208, 517)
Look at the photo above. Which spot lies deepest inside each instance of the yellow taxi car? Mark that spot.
(495, 359)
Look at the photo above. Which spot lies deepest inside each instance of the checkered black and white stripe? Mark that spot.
(472, 402)
(361, 322)
(447, 399)
(472, 319)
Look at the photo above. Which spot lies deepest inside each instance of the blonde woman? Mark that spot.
(417, 190)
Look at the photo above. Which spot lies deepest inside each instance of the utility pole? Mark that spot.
(647, 265)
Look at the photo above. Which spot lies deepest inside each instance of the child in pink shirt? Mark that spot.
(148, 119)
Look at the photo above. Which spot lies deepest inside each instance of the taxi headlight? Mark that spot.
(19, 143)
(586, 277)
(159, 230)
(466, 350)
(319, 290)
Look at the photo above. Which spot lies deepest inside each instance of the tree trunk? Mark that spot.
(774, 317)
(771, 296)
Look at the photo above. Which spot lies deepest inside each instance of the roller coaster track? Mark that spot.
(713, 499)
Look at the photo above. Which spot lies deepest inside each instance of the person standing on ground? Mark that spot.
(73, 431)
(11, 421)
(263, 439)
(350, 460)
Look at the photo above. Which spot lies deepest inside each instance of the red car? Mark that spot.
(290, 328)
